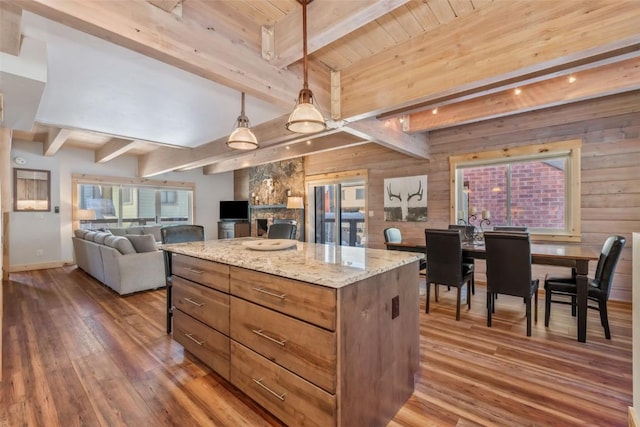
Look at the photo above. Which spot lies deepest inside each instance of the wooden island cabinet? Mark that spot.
(317, 335)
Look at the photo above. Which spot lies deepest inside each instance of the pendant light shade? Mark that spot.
(305, 118)
(242, 138)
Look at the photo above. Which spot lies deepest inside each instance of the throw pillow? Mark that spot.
(120, 243)
(154, 230)
(136, 230)
(143, 243)
(80, 233)
(118, 231)
(90, 235)
(100, 236)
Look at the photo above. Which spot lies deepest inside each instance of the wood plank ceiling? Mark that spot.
(372, 62)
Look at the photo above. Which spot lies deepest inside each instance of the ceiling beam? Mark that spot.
(184, 43)
(55, 140)
(389, 133)
(114, 148)
(10, 28)
(328, 21)
(284, 152)
(269, 134)
(614, 78)
(471, 53)
(166, 5)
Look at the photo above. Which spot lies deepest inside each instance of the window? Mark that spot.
(536, 186)
(168, 197)
(114, 202)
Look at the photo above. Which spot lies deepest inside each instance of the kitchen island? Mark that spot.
(318, 335)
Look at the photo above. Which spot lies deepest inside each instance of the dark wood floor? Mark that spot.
(75, 353)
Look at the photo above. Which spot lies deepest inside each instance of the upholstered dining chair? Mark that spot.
(282, 231)
(509, 271)
(180, 233)
(445, 266)
(467, 232)
(394, 235)
(599, 286)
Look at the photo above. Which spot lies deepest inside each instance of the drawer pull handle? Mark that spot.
(190, 336)
(281, 296)
(279, 396)
(263, 335)
(193, 270)
(199, 304)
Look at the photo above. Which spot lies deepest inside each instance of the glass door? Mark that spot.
(338, 213)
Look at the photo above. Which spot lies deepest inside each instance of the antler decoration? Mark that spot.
(391, 195)
(417, 194)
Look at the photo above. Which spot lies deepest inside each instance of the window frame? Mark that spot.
(122, 182)
(572, 148)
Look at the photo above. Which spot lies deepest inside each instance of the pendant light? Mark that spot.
(305, 117)
(242, 138)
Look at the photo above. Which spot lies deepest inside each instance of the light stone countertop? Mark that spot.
(326, 265)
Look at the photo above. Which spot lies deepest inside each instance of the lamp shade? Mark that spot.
(306, 118)
(295, 203)
(85, 214)
(242, 138)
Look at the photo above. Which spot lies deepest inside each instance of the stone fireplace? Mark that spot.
(270, 186)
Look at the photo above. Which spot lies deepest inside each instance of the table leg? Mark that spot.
(582, 270)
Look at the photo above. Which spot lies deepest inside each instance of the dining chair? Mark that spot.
(510, 228)
(394, 235)
(599, 287)
(467, 233)
(509, 271)
(282, 230)
(445, 266)
(180, 233)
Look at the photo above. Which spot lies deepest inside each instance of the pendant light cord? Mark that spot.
(304, 43)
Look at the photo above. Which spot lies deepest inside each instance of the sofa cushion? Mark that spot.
(120, 243)
(143, 243)
(154, 230)
(136, 231)
(100, 236)
(118, 231)
(80, 233)
(90, 235)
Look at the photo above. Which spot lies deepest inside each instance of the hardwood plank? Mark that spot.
(106, 360)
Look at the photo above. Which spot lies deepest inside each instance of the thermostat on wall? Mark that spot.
(19, 160)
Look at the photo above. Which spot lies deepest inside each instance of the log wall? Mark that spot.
(610, 170)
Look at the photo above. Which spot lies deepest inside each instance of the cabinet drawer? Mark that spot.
(289, 397)
(205, 304)
(207, 273)
(307, 350)
(207, 344)
(312, 303)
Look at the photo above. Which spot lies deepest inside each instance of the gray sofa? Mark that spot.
(126, 263)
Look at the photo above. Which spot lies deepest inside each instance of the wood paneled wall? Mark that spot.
(610, 171)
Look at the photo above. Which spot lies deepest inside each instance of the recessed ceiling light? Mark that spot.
(434, 111)
(572, 79)
(517, 91)
(309, 142)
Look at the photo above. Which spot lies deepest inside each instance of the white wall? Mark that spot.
(52, 232)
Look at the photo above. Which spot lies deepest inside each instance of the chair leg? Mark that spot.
(468, 297)
(547, 307)
(535, 307)
(489, 307)
(604, 318)
(458, 303)
(573, 305)
(426, 306)
(436, 290)
(528, 303)
(473, 285)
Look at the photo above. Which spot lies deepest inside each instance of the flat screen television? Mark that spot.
(234, 210)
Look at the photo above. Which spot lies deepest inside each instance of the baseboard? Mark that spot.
(633, 418)
(41, 266)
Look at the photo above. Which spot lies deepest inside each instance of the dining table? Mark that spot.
(573, 255)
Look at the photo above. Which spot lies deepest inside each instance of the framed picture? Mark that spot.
(31, 190)
(405, 199)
